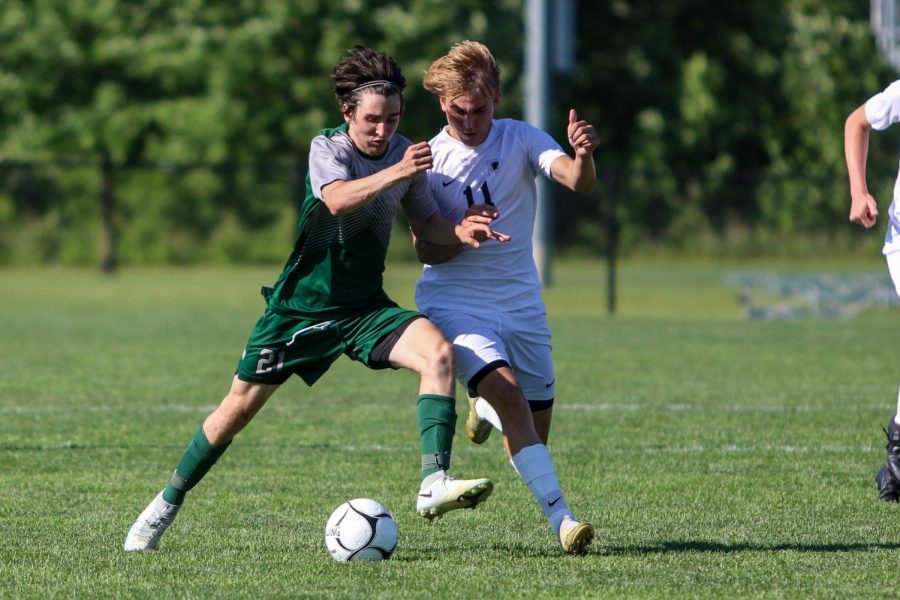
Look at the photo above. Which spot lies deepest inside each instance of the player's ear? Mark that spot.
(347, 111)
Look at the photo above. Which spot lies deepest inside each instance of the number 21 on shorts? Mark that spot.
(267, 361)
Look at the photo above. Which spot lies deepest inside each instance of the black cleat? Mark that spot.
(888, 477)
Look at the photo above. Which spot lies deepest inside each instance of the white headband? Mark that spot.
(374, 83)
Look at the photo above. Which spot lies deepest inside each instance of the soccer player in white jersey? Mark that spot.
(329, 299)
(489, 303)
(879, 112)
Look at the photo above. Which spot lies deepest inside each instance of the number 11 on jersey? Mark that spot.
(470, 196)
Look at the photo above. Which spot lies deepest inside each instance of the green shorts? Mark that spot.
(281, 345)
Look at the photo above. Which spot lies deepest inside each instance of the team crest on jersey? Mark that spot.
(492, 166)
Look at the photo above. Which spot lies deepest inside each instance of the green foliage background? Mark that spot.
(721, 122)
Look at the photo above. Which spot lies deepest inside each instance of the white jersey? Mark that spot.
(501, 171)
(882, 111)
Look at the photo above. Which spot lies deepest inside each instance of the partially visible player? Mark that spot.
(329, 299)
(489, 303)
(879, 112)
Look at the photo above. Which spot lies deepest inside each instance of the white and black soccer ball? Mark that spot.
(361, 529)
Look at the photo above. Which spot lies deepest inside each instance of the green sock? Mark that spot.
(436, 417)
(195, 462)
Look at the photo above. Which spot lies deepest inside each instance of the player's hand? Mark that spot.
(582, 136)
(481, 213)
(473, 234)
(863, 210)
(416, 159)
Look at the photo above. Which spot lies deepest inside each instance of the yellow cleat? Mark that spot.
(575, 537)
(478, 430)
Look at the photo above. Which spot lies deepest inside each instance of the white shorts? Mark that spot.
(520, 339)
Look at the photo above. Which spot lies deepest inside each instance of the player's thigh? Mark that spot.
(389, 337)
(420, 346)
(527, 339)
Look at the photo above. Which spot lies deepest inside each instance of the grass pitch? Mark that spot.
(716, 457)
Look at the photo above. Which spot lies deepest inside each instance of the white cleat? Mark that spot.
(150, 525)
(575, 537)
(446, 494)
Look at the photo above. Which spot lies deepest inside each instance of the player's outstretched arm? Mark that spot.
(474, 228)
(863, 208)
(437, 230)
(346, 196)
(579, 173)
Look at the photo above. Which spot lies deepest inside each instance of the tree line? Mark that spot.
(172, 131)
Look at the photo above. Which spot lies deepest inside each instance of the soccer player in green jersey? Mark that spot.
(329, 299)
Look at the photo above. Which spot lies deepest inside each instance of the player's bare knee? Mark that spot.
(441, 362)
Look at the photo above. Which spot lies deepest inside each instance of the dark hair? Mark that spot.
(361, 66)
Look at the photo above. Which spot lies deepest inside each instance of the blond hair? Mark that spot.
(467, 68)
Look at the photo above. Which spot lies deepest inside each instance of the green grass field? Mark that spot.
(716, 457)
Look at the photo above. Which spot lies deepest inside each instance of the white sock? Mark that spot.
(534, 466)
(485, 411)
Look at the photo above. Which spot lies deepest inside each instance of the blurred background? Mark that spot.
(161, 132)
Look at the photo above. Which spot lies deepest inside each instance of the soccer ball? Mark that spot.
(361, 529)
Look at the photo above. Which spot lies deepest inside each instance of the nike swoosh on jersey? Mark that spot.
(551, 383)
(446, 183)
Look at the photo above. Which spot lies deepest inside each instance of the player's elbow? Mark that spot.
(337, 209)
(339, 199)
(426, 255)
(857, 122)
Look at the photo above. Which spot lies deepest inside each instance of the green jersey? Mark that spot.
(337, 265)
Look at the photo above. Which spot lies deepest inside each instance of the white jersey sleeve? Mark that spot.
(328, 162)
(543, 149)
(883, 109)
(334, 159)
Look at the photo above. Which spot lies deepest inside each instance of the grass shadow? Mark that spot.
(721, 548)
